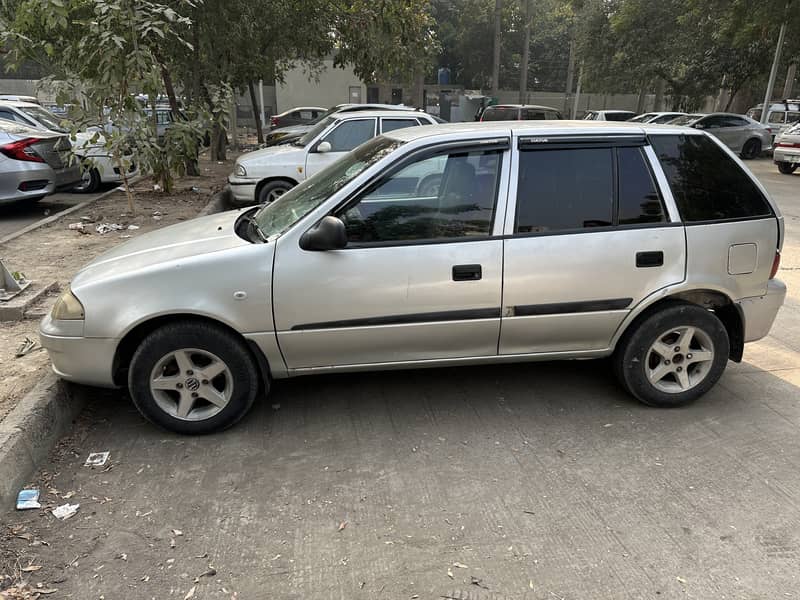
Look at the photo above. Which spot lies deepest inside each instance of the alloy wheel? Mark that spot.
(679, 359)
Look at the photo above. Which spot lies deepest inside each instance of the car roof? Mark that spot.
(15, 128)
(524, 128)
(303, 108)
(18, 104)
(376, 113)
(373, 106)
(615, 110)
(537, 106)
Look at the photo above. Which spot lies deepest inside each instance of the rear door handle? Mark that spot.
(467, 272)
(649, 259)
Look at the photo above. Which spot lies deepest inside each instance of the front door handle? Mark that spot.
(467, 272)
(649, 259)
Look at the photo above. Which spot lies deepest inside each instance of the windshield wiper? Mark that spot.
(254, 224)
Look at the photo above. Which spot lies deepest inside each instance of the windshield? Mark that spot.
(312, 133)
(686, 120)
(277, 217)
(45, 117)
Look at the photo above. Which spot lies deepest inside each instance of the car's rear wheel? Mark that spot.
(751, 149)
(673, 356)
(269, 192)
(786, 168)
(193, 377)
(90, 181)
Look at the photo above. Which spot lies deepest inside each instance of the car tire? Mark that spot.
(656, 365)
(786, 168)
(193, 377)
(751, 149)
(271, 191)
(90, 182)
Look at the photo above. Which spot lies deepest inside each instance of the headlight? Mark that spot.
(67, 307)
(240, 170)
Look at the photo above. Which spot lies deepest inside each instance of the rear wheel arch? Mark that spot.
(133, 338)
(725, 309)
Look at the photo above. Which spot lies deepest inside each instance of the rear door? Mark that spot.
(588, 238)
(344, 137)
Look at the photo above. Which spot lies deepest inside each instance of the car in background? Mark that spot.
(302, 115)
(780, 115)
(33, 163)
(97, 165)
(262, 176)
(786, 152)
(743, 135)
(608, 115)
(16, 98)
(656, 118)
(284, 135)
(520, 112)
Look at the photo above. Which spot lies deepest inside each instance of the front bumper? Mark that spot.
(760, 312)
(788, 155)
(76, 358)
(243, 188)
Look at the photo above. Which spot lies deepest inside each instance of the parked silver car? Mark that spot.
(787, 150)
(743, 135)
(544, 240)
(33, 163)
(608, 115)
(656, 118)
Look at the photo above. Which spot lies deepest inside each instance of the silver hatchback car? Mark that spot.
(545, 240)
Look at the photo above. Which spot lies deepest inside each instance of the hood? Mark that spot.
(174, 244)
(274, 154)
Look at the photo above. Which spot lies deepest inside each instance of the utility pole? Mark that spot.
(498, 23)
(570, 77)
(574, 114)
(526, 52)
(788, 86)
(774, 71)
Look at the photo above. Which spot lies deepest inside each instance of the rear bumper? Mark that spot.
(760, 312)
(790, 155)
(77, 358)
(25, 180)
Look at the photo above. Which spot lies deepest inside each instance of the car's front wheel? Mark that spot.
(751, 149)
(673, 356)
(787, 168)
(269, 192)
(193, 377)
(90, 181)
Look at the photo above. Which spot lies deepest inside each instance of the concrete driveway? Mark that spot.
(539, 481)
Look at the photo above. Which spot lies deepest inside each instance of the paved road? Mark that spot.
(537, 481)
(16, 216)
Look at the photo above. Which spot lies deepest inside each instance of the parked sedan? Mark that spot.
(655, 248)
(656, 118)
(608, 115)
(33, 163)
(743, 135)
(284, 135)
(264, 175)
(520, 112)
(787, 150)
(302, 115)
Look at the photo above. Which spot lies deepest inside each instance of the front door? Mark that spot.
(420, 278)
(345, 135)
(589, 238)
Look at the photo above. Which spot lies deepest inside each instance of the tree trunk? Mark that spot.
(234, 124)
(170, 88)
(418, 98)
(498, 24)
(218, 143)
(640, 101)
(526, 52)
(788, 86)
(658, 104)
(570, 77)
(256, 112)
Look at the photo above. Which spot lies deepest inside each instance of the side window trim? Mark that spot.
(659, 178)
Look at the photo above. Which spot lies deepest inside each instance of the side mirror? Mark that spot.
(328, 234)
(324, 147)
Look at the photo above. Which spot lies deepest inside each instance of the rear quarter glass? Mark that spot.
(708, 185)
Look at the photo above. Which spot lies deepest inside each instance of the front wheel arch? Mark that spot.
(133, 338)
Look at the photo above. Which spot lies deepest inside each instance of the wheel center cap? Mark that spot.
(677, 359)
(192, 384)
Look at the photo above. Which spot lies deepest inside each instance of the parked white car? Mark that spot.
(264, 175)
(98, 166)
(787, 150)
(608, 115)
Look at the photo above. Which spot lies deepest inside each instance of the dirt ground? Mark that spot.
(54, 253)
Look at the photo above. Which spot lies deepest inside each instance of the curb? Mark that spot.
(31, 429)
(55, 217)
(29, 432)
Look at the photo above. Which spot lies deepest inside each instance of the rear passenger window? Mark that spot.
(566, 189)
(639, 200)
(501, 114)
(706, 183)
(532, 114)
(394, 124)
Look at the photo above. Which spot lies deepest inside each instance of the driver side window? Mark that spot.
(442, 196)
(350, 134)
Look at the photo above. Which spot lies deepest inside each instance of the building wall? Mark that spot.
(334, 86)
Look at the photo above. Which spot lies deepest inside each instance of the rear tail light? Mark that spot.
(776, 264)
(273, 121)
(788, 145)
(21, 150)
